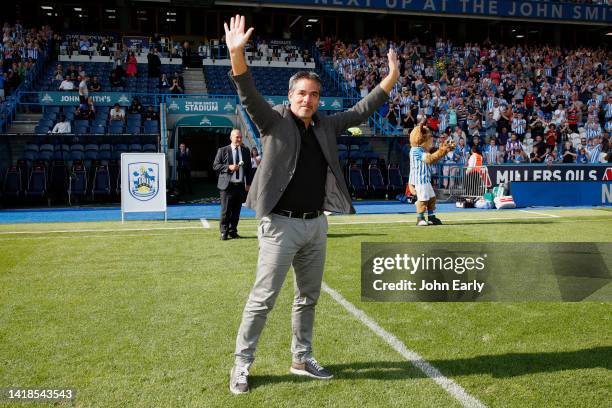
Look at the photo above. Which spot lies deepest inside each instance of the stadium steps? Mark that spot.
(25, 123)
(194, 82)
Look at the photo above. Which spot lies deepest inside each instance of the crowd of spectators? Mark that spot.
(103, 45)
(516, 103)
(86, 110)
(20, 49)
(75, 78)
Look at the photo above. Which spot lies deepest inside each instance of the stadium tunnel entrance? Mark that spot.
(202, 135)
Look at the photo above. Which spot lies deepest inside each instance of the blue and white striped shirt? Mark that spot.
(405, 102)
(461, 154)
(33, 53)
(518, 126)
(490, 102)
(490, 154)
(443, 118)
(420, 172)
(594, 152)
(592, 130)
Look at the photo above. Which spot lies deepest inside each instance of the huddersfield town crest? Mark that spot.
(143, 180)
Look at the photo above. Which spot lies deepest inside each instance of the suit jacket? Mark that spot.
(183, 161)
(222, 161)
(281, 146)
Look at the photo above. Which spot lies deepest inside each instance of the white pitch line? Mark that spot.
(539, 213)
(454, 389)
(411, 221)
(22, 238)
(97, 230)
(407, 221)
(205, 223)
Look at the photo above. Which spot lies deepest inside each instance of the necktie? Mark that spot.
(236, 161)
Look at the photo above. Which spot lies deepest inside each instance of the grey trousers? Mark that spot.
(285, 242)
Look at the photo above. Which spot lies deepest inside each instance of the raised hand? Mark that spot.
(389, 81)
(393, 61)
(235, 37)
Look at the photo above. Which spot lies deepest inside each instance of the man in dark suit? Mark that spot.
(183, 168)
(299, 178)
(154, 63)
(233, 165)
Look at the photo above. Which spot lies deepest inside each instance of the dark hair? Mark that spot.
(304, 75)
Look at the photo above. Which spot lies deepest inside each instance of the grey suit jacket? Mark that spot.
(281, 146)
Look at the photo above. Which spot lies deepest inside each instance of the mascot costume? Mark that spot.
(419, 182)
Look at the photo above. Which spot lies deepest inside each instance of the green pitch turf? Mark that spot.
(145, 315)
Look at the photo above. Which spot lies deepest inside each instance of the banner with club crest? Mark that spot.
(143, 183)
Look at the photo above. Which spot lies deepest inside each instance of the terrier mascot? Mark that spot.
(419, 182)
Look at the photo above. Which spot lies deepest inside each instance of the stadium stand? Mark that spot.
(270, 81)
(461, 91)
(492, 91)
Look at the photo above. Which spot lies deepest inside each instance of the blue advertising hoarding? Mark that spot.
(213, 105)
(326, 103)
(135, 41)
(570, 193)
(72, 98)
(511, 9)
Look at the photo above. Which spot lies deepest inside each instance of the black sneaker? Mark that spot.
(239, 380)
(433, 220)
(310, 368)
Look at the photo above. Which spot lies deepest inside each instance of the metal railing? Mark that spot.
(463, 182)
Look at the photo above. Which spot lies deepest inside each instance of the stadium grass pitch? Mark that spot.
(145, 315)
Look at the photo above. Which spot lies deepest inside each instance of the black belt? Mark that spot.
(297, 214)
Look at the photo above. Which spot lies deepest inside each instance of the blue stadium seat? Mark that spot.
(50, 115)
(41, 129)
(101, 182)
(133, 129)
(134, 118)
(151, 126)
(104, 155)
(115, 128)
(98, 129)
(37, 184)
(31, 147)
(45, 155)
(80, 130)
(45, 122)
(76, 155)
(91, 155)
